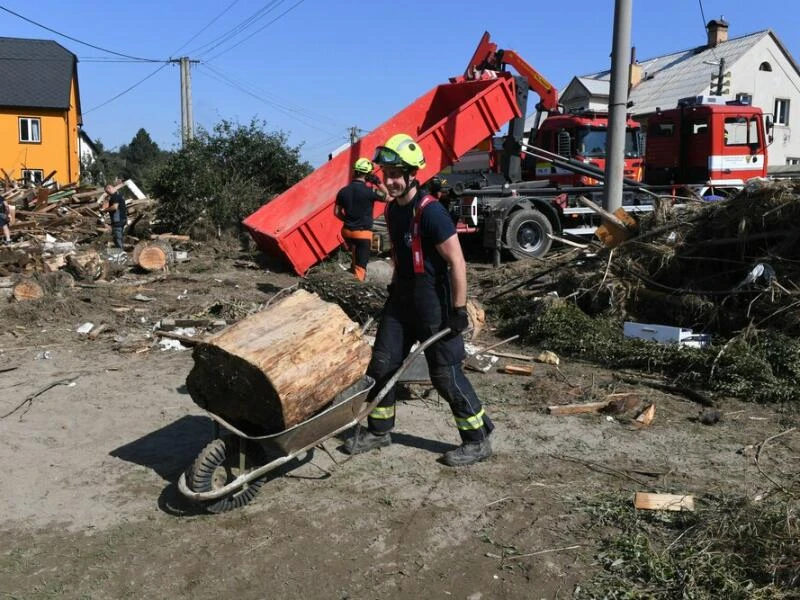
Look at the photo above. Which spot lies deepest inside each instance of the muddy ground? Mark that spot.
(90, 507)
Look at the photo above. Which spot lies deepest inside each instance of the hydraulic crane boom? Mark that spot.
(487, 57)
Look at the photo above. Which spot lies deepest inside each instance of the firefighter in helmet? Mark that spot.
(427, 294)
(354, 205)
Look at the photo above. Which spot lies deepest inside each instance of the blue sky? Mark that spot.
(314, 68)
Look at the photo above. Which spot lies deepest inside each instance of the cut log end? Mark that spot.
(27, 289)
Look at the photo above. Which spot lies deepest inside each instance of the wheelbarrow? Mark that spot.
(230, 471)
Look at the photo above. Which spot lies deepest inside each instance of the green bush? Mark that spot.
(225, 174)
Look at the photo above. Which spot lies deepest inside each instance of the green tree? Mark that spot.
(225, 174)
(141, 159)
(107, 165)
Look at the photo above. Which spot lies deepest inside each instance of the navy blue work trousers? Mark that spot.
(415, 310)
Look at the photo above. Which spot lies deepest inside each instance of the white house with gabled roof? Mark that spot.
(758, 68)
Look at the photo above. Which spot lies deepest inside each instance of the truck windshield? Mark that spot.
(592, 142)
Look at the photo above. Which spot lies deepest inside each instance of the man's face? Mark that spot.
(394, 181)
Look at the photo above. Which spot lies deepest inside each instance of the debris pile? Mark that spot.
(65, 229)
(730, 269)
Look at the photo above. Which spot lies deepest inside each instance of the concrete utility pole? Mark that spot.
(187, 122)
(618, 105)
(353, 134)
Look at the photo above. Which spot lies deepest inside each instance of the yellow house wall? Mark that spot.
(57, 151)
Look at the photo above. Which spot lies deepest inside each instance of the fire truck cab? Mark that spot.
(581, 135)
(706, 140)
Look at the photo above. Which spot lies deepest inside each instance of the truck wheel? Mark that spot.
(526, 234)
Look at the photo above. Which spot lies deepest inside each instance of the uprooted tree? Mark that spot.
(225, 174)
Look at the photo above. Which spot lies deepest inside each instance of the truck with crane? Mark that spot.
(530, 194)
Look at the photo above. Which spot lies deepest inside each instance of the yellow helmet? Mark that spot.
(363, 165)
(400, 150)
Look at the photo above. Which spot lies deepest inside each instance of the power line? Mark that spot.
(122, 93)
(221, 77)
(277, 100)
(702, 13)
(210, 23)
(238, 28)
(69, 37)
(291, 8)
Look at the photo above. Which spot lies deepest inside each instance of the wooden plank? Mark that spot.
(518, 369)
(675, 502)
(559, 410)
(186, 340)
(510, 355)
(604, 214)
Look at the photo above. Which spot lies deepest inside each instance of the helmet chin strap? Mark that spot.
(410, 181)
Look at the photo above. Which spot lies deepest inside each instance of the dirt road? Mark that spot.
(103, 428)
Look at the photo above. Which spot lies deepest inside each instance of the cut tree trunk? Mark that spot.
(87, 266)
(153, 255)
(278, 367)
(27, 289)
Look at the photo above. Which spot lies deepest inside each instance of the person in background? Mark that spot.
(6, 218)
(115, 206)
(354, 206)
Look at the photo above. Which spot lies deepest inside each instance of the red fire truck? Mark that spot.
(707, 140)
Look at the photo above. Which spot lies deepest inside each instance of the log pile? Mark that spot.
(278, 367)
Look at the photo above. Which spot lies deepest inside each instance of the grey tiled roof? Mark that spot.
(596, 87)
(681, 74)
(35, 73)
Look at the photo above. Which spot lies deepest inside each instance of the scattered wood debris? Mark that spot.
(674, 502)
(518, 369)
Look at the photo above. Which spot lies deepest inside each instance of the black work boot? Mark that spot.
(468, 453)
(365, 440)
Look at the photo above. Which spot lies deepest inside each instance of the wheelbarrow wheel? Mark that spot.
(212, 470)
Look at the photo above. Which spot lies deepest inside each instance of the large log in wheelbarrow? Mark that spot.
(230, 471)
(275, 384)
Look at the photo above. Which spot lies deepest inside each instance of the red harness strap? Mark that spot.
(416, 236)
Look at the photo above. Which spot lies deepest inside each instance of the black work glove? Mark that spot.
(458, 320)
(373, 179)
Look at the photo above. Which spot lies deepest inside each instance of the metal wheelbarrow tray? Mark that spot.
(229, 471)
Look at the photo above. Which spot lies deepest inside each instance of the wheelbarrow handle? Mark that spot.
(407, 363)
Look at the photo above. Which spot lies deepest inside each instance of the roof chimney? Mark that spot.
(635, 71)
(717, 32)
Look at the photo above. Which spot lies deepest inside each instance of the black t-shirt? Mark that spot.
(121, 214)
(357, 200)
(436, 226)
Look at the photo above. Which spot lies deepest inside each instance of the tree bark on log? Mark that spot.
(87, 266)
(278, 367)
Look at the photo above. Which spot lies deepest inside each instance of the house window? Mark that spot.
(781, 111)
(32, 176)
(793, 161)
(30, 130)
(765, 66)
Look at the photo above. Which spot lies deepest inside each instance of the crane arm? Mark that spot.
(487, 57)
